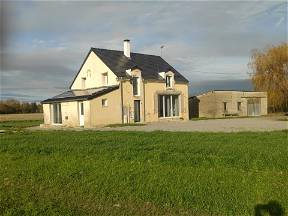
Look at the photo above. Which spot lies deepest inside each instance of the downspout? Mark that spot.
(144, 101)
(122, 108)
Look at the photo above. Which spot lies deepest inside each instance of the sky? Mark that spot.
(44, 43)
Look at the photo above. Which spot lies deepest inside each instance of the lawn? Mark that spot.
(142, 173)
(19, 124)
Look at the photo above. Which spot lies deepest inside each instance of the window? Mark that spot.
(225, 106)
(57, 115)
(105, 79)
(88, 73)
(135, 83)
(81, 108)
(168, 105)
(104, 102)
(239, 106)
(168, 81)
(83, 82)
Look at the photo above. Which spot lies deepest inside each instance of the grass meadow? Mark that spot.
(142, 173)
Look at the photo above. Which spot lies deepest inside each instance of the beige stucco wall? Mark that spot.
(70, 116)
(128, 98)
(211, 103)
(69, 112)
(148, 97)
(92, 70)
(153, 89)
(105, 115)
(47, 114)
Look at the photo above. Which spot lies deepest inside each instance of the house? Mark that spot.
(222, 103)
(114, 87)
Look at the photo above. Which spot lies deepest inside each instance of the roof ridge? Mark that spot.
(123, 53)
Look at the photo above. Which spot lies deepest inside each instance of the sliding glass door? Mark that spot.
(57, 115)
(168, 105)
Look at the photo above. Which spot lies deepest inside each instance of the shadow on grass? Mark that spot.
(272, 208)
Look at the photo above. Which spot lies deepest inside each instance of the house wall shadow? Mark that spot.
(272, 208)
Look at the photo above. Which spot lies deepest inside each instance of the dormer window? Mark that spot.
(168, 81)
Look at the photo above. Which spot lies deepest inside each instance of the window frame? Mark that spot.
(169, 81)
(57, 120)
(173, 106)
(225, 110)
(239, 106)
(105, 79)
(104, 102)
(137, 85)
(83, 82)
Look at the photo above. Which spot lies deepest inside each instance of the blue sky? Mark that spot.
(44, 43)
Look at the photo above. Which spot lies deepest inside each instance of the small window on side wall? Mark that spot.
(83, 82)
(105, 79)
(225, 106)
(239, 106)
(104, 102)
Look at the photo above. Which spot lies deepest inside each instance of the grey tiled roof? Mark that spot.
(150, 65)
(81, 94)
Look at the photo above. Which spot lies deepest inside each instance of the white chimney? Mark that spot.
(127, 48)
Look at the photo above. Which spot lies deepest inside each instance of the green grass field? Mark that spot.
(141, 173)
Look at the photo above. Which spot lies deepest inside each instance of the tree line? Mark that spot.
(13, 106)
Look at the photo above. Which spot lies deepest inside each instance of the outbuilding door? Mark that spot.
(81, 114)
(254, 107)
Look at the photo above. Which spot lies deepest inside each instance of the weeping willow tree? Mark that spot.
(269, 72)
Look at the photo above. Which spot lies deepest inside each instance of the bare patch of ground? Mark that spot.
(20, 117)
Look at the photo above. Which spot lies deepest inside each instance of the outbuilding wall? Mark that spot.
(211, 104)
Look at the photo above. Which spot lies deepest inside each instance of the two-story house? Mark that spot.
(114, 87)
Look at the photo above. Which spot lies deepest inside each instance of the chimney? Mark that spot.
(127, 48)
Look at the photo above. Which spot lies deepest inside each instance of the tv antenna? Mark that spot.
(161, 48)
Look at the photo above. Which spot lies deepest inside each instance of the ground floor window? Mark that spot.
(168, 105)
(225, 107)
(239, 106)
(57, 115)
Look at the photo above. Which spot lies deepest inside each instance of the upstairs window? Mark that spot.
(83, 82)
(168, 81)
(136, 86)
(105, 79)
